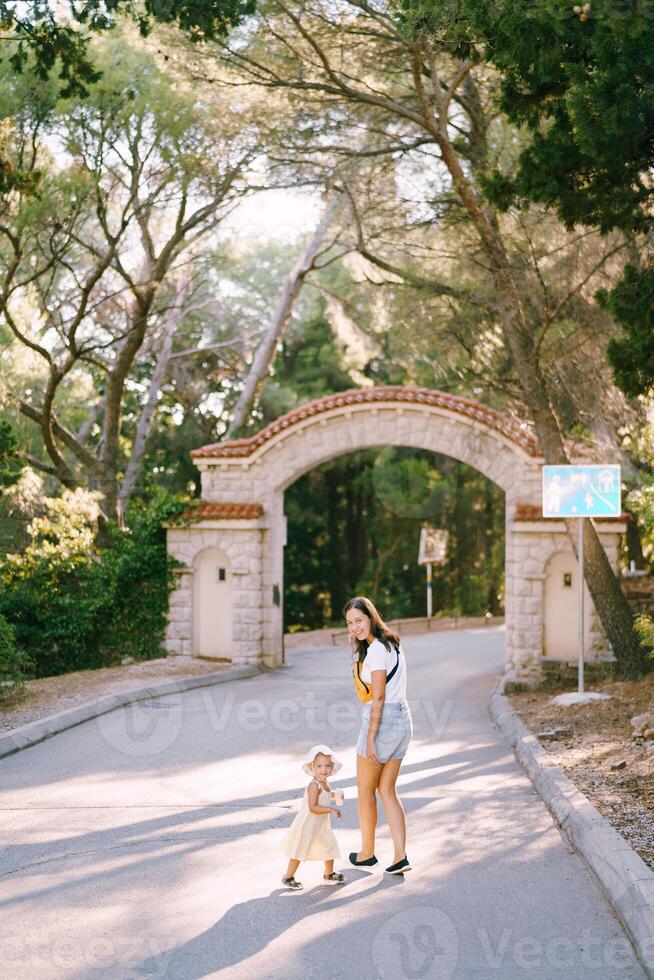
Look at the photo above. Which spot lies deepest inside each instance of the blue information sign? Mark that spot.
(581, 491)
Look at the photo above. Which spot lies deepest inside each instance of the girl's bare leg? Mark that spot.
(329, 867)
(393, 807)
(293, 865)
(367, 782)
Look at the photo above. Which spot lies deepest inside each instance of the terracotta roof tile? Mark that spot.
(207, 510)
(504, 424)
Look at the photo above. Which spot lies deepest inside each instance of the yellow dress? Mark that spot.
(310, 836)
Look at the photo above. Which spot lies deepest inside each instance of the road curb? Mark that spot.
(37, 731)
(623, 876)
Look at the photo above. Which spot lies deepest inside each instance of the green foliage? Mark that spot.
(354, 527)
(55, 594)
(185, 155)
(10, 464)
(74, 605)
(309, 364)
(639, 501)
(48, 34)
(13, 662)
(142, 576)
(41, 39)
(581, 85)
(203, 21)
(631, 304)
(645, 629)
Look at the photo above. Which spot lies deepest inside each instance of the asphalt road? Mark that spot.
(143, 843)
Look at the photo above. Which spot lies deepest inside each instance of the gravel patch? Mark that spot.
(593, 745)
(47, 695)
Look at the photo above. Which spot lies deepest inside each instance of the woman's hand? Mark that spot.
(337, 813)
(371, 752)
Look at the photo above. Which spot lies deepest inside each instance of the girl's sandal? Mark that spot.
(335, 878)
(290, 882)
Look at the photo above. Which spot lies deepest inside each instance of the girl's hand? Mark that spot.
(337, 813)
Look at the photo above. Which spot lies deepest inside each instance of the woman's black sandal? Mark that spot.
(400, 867)
(290, 882)
(368, 863)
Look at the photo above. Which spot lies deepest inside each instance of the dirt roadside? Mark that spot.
(50, 694)
(596, 750)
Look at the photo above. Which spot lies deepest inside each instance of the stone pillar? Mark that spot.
(273, 582)
(180, 603)
(180, 606)
(242, 540)
(533, 544)
(523, 603)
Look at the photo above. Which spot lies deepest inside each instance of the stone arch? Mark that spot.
(243, 483)
(496, 445)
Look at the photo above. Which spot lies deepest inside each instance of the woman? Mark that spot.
(386, 730)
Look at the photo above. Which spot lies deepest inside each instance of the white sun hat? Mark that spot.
(313, 752)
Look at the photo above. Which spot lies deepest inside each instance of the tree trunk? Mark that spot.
(170, 323)
(265, 354)
(609, 599)
(110, 504)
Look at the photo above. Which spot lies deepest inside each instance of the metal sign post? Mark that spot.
(432, 551)
(581, 492)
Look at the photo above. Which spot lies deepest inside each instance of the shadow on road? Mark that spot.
(250, 926)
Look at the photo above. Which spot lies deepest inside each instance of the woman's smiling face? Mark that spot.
(358, 624)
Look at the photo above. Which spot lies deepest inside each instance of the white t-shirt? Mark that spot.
(379, 658)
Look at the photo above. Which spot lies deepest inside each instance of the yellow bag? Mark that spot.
(363, 691)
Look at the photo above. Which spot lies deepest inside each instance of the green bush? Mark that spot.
(10, 462)
(645, 630)
(141, 576)
(13, 663)
(74, 605)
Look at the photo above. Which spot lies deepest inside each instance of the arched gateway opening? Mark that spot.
(242, 515)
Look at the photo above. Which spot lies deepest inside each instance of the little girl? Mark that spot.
(310, 836)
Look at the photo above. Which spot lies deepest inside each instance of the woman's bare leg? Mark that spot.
(393, 807)
(367, 782)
